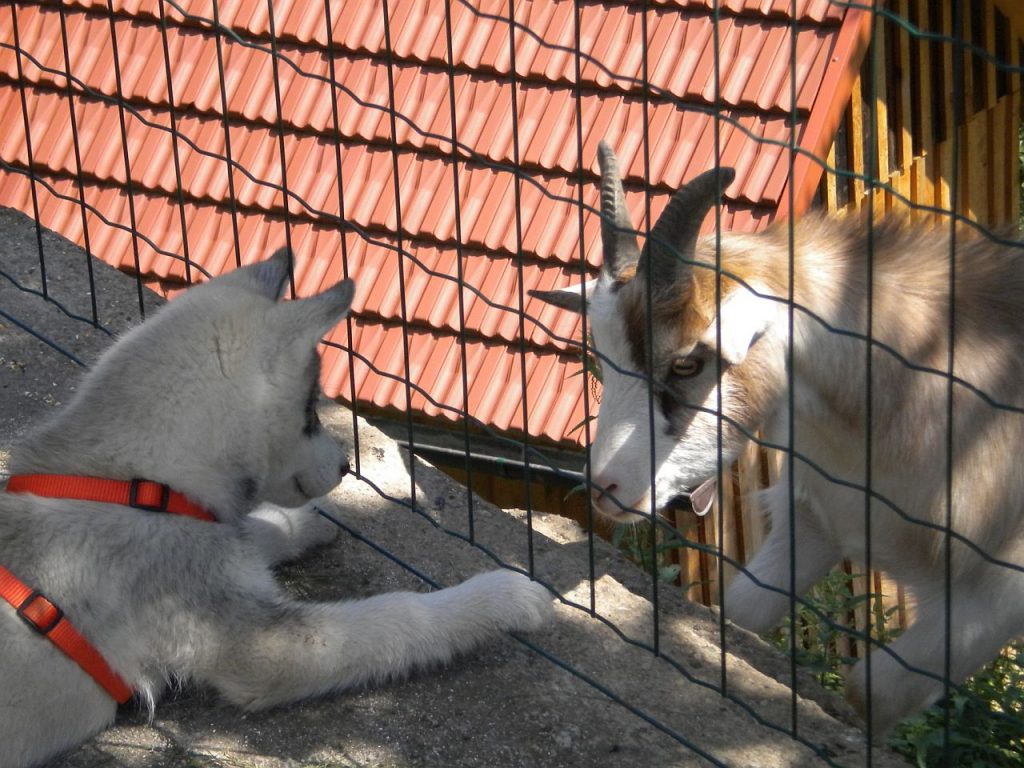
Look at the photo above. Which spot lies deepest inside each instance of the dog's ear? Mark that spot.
(316, 315)
(267, 278)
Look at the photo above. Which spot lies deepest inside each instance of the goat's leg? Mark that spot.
(276, 652)
(759, 597)
(907, 675)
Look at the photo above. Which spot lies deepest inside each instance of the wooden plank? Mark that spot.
(880, 107)
(753, 532)
(901, 182)
(924, 110)
(923, 181)
(918, 188)
(945, 24)
(882, 600)
(829, 188)
(726, 544)
(772, 463)
(1012, 129)
(708, 566)
(690, 559)
(943, 166)
(1014, 11)
(881, 199)
(943, 190)
(856, 144)
(678, 555)
(990, 46)
(906, 113)
(859, 586)
(975, 162)
(969, 86)
(999, 209)
(845, 644)
(904, 614)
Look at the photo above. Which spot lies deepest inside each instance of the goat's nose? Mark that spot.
(345, 467)
(599, 491)
(602, 489)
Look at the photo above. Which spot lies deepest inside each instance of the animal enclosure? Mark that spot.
(443, 155)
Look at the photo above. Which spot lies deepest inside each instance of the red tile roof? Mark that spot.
(416, 214)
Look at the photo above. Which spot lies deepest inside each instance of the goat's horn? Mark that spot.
(671, 244)
(617, 234)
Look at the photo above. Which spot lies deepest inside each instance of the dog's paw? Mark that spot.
(517, 602)
(319, 530)
(285, 534)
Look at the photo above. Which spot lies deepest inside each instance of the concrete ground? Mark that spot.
(573, 694)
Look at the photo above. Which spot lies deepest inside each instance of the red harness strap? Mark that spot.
(139, 494)
(40, 613)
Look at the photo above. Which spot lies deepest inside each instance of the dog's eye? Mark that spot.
(687, 367)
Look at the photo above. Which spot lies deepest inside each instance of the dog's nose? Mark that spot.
(345, 467)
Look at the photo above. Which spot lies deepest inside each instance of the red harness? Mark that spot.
(41, 613)
(140, 494)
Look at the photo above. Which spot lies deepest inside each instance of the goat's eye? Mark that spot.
(687, 367)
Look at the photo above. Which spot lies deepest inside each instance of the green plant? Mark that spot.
(986, 720)
(635, 540)
(822, 641)
(986, 714)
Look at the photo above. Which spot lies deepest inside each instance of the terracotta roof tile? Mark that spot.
(546, 126)
(549, 213)
(753, 63)
(491, 283)
(752, 131)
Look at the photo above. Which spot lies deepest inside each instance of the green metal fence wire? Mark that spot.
(453, 149)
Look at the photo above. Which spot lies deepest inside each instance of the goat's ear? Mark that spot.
(618, 238)
(571, 297)
(744, 318)
(672, 243)
(267, 278)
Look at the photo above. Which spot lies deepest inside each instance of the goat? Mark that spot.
(844, 363)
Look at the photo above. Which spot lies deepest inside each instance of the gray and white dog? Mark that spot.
(214, 398)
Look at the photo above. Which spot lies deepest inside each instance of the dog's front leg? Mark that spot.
(274, 653)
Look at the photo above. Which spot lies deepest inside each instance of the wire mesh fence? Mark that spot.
(443, 154)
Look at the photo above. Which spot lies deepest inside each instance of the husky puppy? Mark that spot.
(702, 343)
(215, 399)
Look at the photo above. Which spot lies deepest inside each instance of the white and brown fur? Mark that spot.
(674, 352)
(216, 397)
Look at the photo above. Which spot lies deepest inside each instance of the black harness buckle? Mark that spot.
(133, 496)
(34, 615)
